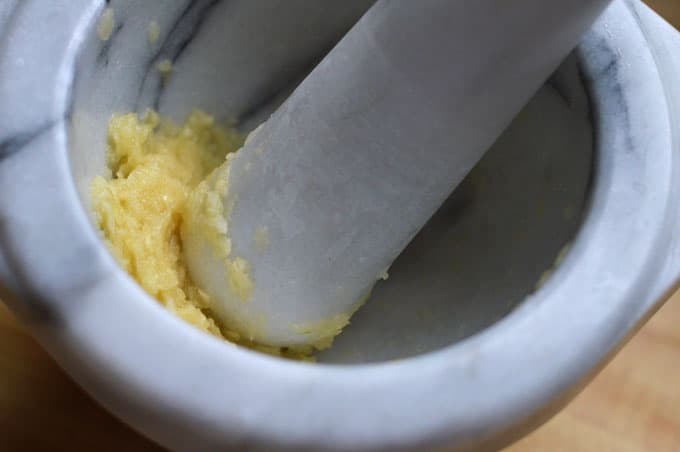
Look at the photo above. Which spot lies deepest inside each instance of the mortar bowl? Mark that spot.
(552, 252)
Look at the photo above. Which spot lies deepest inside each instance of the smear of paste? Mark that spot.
(159, 172)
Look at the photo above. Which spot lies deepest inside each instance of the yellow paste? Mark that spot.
(205, 216)
(153, 32)
(106, 24)
(159, 172)
(164, 68)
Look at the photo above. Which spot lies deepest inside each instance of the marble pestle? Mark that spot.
(326, 193)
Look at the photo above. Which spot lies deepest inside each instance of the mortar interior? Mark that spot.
(476, 260)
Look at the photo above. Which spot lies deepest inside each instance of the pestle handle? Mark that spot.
(352, 165)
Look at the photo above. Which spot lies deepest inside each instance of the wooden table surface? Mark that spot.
(633, 405)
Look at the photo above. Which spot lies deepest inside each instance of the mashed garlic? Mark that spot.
(158, 171)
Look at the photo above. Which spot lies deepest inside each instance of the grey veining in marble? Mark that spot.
(485, 372)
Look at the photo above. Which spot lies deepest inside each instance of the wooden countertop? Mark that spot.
(633, 405)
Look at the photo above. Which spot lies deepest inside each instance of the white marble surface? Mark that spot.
(189, 391)
(367, 148)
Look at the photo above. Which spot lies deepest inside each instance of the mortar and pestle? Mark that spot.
(551, 252)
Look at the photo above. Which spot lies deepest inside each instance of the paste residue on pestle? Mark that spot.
(165, 69)
(153, 32)
(106, 24)
(159, 173)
